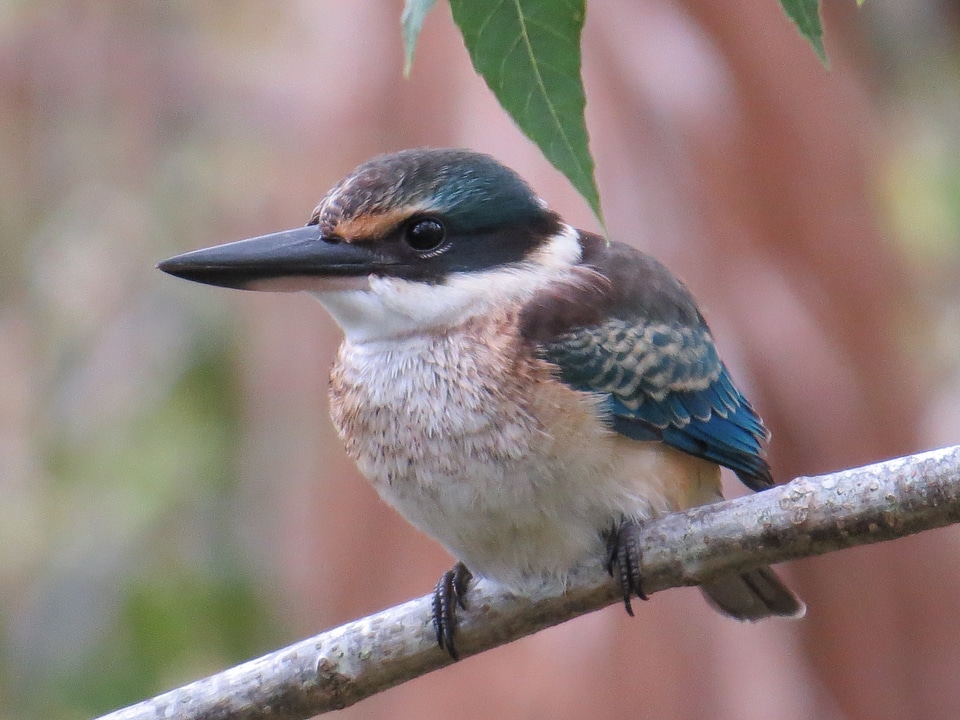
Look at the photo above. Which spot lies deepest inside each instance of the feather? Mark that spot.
(645, 346)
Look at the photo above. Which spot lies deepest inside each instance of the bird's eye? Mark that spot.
(425, 235)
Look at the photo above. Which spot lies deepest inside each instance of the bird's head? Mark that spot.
(408, 242)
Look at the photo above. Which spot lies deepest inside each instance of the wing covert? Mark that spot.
(650, 353)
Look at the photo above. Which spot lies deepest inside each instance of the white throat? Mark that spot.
(392, 308)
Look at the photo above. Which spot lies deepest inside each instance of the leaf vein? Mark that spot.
(539, 81)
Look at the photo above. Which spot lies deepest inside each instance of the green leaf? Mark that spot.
(414, 11)
(806, 16)
(528, 51)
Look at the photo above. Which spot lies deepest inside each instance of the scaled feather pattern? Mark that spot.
(666, 382)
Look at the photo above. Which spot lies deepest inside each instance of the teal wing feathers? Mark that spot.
(631, 332)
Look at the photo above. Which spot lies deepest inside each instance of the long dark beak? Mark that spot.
(299, 259)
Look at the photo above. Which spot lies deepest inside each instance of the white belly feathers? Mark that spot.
(475, 442)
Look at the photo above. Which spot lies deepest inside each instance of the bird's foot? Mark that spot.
(450, 593)
(623, 560)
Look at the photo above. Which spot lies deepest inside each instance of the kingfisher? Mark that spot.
(526, 393)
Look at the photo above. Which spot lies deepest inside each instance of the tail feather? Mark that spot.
(753, 595)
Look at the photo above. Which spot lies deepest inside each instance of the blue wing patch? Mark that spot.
(665, 382)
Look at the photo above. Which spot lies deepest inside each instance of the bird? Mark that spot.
(526, 393)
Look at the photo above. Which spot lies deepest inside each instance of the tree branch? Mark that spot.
(808, 516)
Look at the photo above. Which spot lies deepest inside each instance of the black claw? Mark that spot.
(611, 539)
(623, 561)
(450, 593)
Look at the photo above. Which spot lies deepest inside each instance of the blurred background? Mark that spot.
(172, 497)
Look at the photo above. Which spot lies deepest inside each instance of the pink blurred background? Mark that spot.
(173, 496)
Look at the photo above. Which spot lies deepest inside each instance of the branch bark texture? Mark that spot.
(808, 516)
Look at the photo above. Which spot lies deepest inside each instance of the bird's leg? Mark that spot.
(450, 592)
(623, 560)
